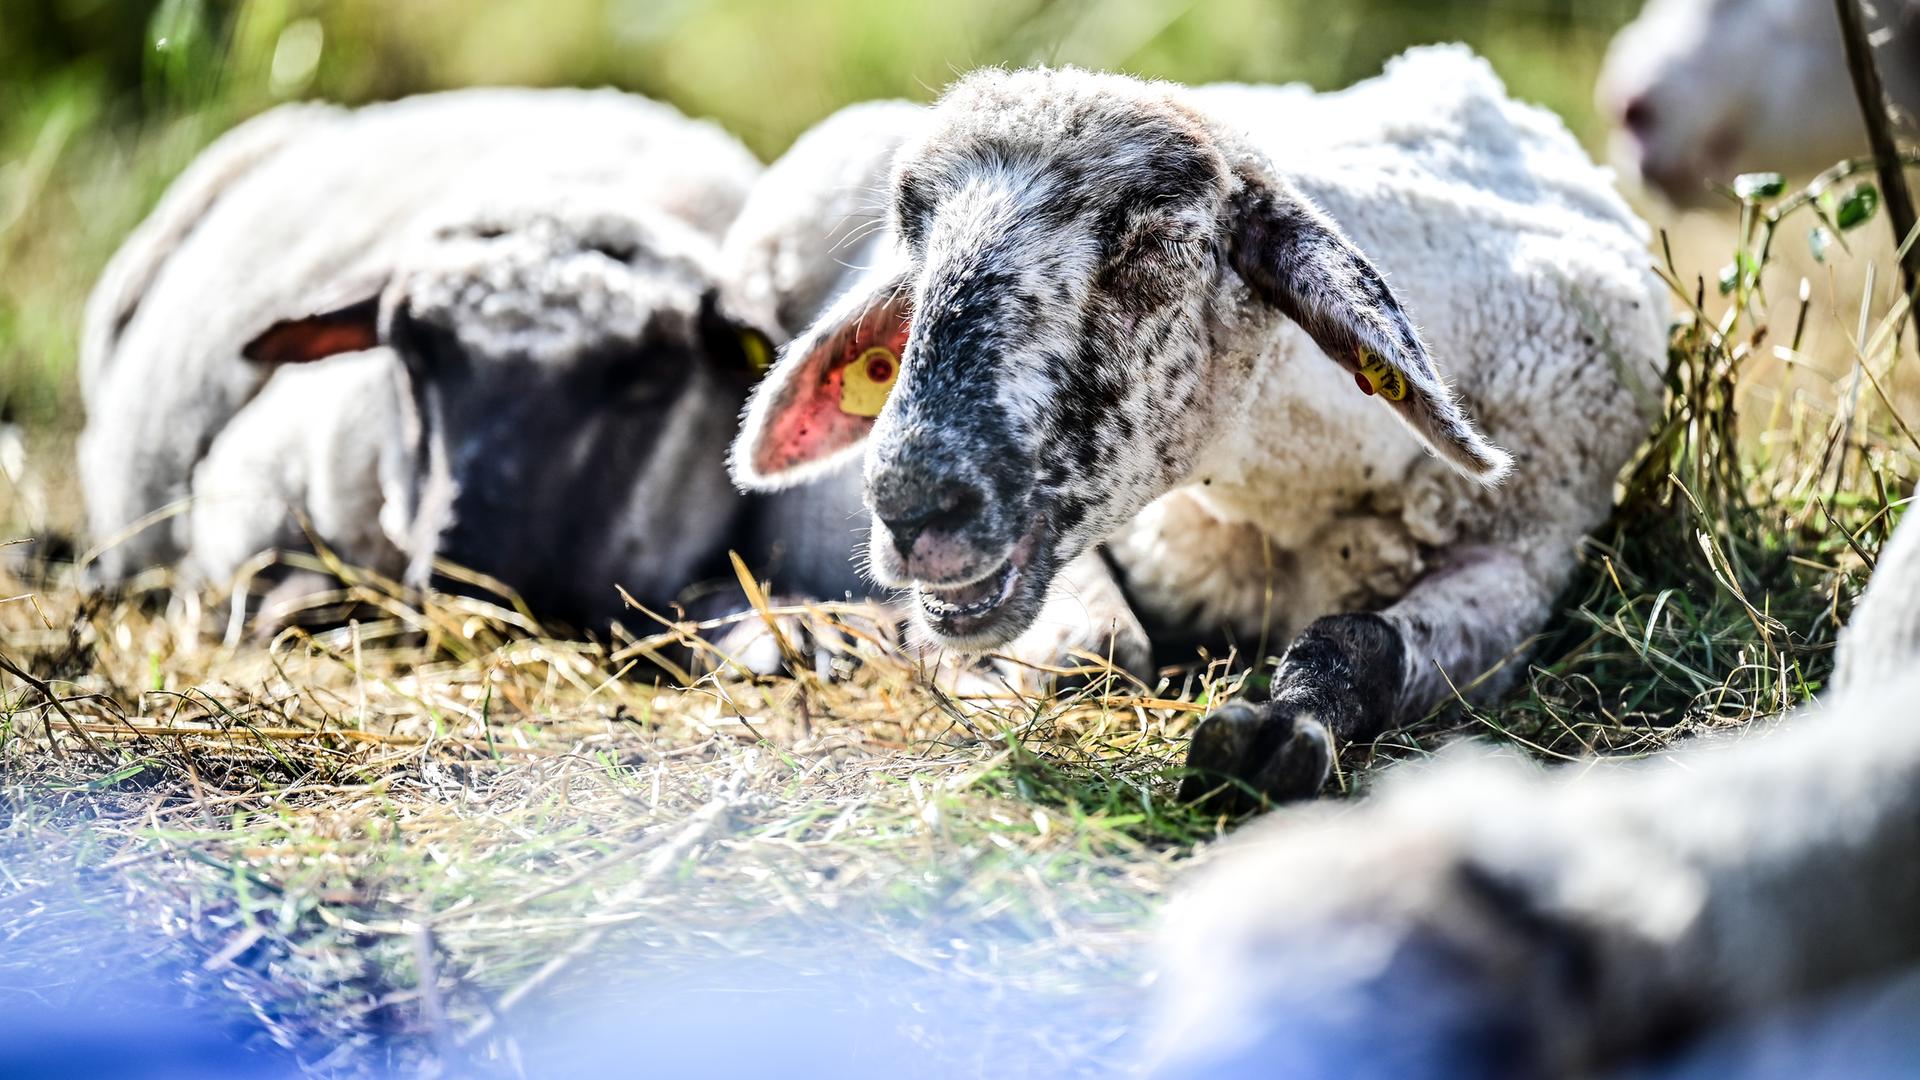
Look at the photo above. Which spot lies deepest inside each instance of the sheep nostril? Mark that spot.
(904, 531)
(1638, 116)
(944, 510)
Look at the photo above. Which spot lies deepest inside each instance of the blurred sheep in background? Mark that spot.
(486, 327)
(1701, 91)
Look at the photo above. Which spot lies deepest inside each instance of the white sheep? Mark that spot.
(1883, 634)
(1704, 90)
(546, 367)
(1134, 314)
(815, 222)
(1477, 917)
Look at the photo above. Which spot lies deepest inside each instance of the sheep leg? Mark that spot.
(1511, 922)
(1350, 676)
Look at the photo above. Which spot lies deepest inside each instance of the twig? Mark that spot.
(47, 692)
(278, 734)
(1872, 95)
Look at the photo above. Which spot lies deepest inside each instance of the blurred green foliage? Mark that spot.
(103, 101)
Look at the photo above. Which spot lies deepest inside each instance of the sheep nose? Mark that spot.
(1638, 116)
(912, 504)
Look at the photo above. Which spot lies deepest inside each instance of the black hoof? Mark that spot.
(1244, 757)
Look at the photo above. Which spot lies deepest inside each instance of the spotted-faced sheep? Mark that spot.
(545, 368)
(1703, 90)
(1135, 314)
(1477, 917)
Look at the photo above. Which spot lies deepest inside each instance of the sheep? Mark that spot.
(1884, 631)
(1112, 306)
(536, 365)
(1703, 90)
(1475, 917)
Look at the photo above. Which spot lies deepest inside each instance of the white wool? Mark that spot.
(1883, 636)
(1520, 263)
(536, 275)
(286, 458)
(817, 216)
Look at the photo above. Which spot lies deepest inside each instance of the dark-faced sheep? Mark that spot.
(487, 328)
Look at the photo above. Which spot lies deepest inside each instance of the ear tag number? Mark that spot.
(1376, 376)
(865, 383)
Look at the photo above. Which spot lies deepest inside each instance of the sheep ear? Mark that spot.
(352, 328)
(817, 404)
(1296, 259)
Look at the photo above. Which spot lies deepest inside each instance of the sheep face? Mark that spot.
(1075, 251)
(1702, 90)
(568, 385)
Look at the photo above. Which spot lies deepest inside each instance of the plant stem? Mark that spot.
(1872, 96)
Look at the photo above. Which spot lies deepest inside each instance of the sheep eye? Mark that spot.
(428, 349)
(1173, 239)
(1159, 240)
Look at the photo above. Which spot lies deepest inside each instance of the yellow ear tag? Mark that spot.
(864, 384)
(1376, 376)
(758, 350)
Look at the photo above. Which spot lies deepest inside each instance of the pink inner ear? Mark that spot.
(806, 423)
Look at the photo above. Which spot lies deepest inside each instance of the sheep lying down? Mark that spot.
(1353, 370)
(486, 328)
(1704, 90)
(1480, 918)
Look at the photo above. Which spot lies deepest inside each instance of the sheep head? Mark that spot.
(569, 376)
(1703, 90)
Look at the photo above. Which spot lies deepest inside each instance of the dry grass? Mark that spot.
(361, 832)
(413, 842)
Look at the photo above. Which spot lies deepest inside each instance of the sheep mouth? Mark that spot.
(971, 600)
(993, 608)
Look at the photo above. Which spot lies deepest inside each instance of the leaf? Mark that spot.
(1818, 241)
(1742, 272)
(1759, 185)
(1858, 206)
